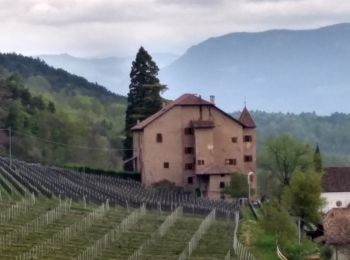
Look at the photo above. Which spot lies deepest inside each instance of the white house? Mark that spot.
(336, 188)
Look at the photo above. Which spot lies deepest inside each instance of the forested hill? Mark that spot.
(61, 119)
(59, 79)
(332, 132)
(85, 126)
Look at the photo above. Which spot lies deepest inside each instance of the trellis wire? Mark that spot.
(94, 250)
(202, 229)
(54, 181)
(241, 252)
(35, 225)
(17, 209)
(65, 234)
(160, 232)
(228, 255)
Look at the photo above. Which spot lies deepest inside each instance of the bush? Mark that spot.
(277, 221)
(326, 253)
(294, 251)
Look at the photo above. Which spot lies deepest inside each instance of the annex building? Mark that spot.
(194, 144)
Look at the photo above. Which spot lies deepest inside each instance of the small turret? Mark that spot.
(246, 119)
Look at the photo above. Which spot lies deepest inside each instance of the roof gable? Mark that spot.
(184, 100)
(247, 119)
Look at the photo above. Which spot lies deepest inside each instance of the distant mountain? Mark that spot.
(111, 72)
(278, 70)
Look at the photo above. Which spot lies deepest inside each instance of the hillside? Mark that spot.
(50, 213)
(330, 132)
(279, 70)
(86, 127)
(111, 72)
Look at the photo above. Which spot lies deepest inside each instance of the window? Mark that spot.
(189, 150)
(248, 139)
(234, 139)
(166, 165)
(200, 162)
(188, 166)
(222, 175)
(188, 131)
(222, 184)
(248, 158)
(159, 138)
(230, 161)
(190, 180)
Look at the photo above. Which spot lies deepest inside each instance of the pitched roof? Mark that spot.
(247, 119)
(336, 225)
(336, 179)
(214, 169)
(184, 100)
(202, 124)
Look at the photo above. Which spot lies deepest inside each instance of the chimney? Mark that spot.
(138, 121)
(212, 99)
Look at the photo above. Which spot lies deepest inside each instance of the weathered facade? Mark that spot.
(195, 145)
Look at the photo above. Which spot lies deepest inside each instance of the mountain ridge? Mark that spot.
(111, 72)
(265, 66)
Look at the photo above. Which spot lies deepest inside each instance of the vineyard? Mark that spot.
(54, 213)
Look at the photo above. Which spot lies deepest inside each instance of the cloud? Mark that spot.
(104, 27)
(200, 3)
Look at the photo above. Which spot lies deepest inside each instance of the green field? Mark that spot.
(46, 238)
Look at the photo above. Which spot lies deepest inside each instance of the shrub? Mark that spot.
(326, 253)
(277, 221)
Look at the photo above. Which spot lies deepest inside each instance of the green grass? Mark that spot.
(209, 248)
(175, 240)
(131, 240)
(73, 247)
(254, 238)
(263, 244)
(214, 244)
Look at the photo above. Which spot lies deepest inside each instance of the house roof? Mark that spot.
(202, 124)
(188, 100)
(214, 169)
(336, 225)
(247, 119)
(336, 179)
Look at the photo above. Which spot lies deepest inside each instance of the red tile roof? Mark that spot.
(247, 119)
(184, 100)
(336, 225)
(336, 179)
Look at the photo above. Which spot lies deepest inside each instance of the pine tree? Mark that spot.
(143, 98)
(318, 159)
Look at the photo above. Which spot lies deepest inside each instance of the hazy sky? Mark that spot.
(119, 27)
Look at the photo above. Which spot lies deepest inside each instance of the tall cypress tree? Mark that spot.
(318, 160)
(143, 98)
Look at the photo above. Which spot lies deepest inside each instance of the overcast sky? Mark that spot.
(118, 27)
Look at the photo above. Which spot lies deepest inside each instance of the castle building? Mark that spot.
(194, 144)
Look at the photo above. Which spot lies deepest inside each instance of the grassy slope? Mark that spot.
(213, 245)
